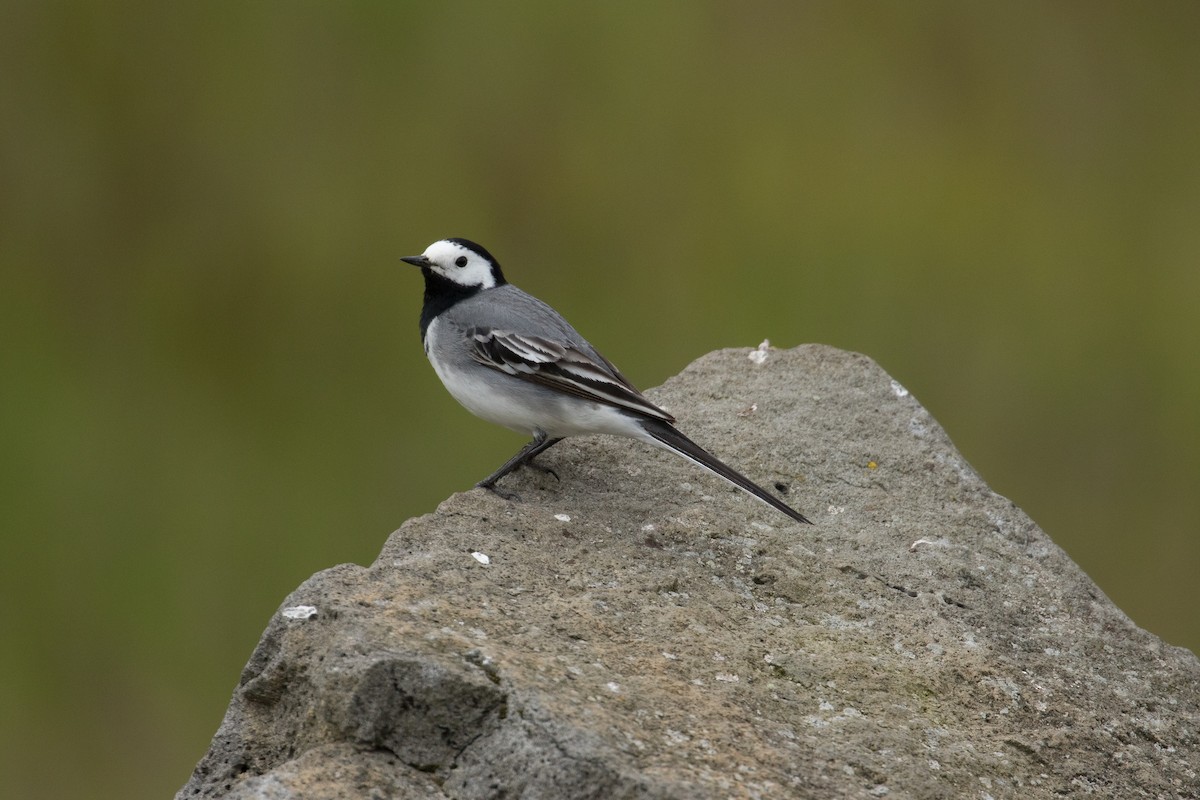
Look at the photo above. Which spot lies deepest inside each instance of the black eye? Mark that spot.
(461, 261)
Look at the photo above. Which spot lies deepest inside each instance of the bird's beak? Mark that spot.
(417, 261)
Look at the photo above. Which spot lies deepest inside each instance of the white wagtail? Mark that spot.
(513, 360)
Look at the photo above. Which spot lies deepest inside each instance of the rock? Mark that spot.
(642, 630)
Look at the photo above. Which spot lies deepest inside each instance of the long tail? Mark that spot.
(668, 437)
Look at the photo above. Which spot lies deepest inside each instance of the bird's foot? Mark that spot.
(501, 493)
(545, 470)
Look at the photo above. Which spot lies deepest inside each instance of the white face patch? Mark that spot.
(460, 264)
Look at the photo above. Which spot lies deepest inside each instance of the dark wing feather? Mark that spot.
(559, 366)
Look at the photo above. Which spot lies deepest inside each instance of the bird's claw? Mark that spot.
(545, 470)
(501, 493)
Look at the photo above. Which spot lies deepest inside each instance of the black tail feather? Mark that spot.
(676, 442)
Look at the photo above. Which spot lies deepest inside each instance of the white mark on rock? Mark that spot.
(299, 612)
(725, 677)
(482, 558)
(898, 390)
(759, 354)
(613, 687)
(912, 547)
(563, 517)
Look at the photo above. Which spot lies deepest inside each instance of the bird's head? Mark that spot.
(459, 261)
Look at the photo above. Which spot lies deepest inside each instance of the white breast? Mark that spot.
(517, 404)
(477, 390)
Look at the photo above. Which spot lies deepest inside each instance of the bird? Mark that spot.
(511, 359)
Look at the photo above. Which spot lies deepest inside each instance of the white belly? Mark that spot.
(523, 406)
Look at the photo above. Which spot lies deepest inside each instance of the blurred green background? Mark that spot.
(213, 384)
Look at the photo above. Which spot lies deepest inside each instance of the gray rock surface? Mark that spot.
(642, 630)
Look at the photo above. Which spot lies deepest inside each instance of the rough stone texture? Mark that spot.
(675, 638)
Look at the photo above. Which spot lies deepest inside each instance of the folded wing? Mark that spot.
(560, 366)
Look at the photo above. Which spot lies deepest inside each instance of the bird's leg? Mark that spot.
(523, 458)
